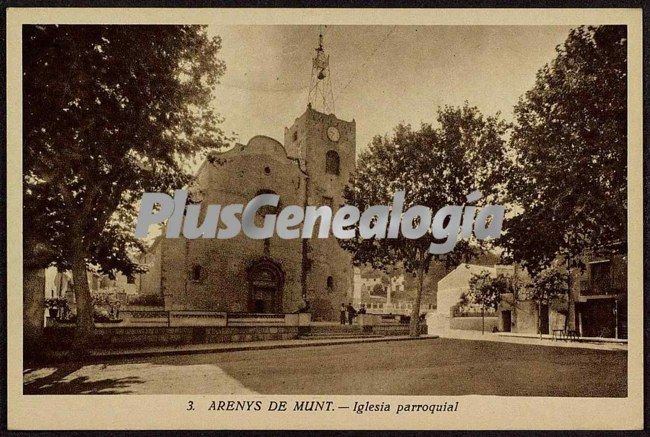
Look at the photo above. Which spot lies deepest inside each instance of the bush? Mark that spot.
(56, 302)
(148, 300)
(100, 315)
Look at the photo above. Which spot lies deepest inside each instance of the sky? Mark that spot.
(381, 75)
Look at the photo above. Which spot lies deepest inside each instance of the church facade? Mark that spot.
(273, 275)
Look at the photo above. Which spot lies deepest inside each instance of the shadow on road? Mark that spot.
(56, 383)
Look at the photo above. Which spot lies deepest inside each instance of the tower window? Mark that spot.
(196, 272)
(295, 135)
(330, 283)
(332, 163)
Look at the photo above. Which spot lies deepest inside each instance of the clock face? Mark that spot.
(333, 133)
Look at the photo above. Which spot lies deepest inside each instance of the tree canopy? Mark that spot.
(110, 112)
(547, 285)
(569, 141)
(435, 166)
(486, 290)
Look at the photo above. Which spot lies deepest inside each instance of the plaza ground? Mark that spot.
(441, 366)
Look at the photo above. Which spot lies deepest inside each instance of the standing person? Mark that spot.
(351, 313)
(343, 313)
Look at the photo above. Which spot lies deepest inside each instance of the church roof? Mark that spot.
(258, 144)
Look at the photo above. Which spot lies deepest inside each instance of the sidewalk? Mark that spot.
(531, 339)
(242, 346)
(578, 339)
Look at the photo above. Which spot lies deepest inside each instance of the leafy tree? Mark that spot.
(546, 286)
(486, 291)
(464, 300)
(569, 144)
(435, 166)
(110, 112)
(379, 290)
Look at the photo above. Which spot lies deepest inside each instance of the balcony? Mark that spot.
(589, 287)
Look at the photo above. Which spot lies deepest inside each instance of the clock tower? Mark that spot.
(325, 146)
(326, 149)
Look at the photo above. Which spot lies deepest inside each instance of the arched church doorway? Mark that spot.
(265, 284)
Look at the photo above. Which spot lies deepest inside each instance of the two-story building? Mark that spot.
(595, 307)
(600, 294)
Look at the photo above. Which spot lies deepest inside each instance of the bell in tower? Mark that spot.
(321, 96)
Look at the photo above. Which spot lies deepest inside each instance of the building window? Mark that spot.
(332, 163)
(196, 272)
(330, 283)
(601, 279)
(267, 169)
(295, 135)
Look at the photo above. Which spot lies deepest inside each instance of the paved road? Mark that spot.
(426, 367)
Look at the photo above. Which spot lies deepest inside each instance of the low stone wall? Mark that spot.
(115, 338)
(473, 323)
(396, 329)
(125, 337)
(132, 318)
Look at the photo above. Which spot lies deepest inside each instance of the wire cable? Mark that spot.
(368, 58)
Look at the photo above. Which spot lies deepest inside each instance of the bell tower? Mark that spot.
(321, 96)
(326, 149)
(324, 144)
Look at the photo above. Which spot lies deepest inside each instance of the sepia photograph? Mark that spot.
(326, 209)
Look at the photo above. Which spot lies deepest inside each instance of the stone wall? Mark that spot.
(149, 282)
(232, 177)
(473, 323)
(328, 263)
(235, 177)
(117, 338)
(59, 338)
(396, 329)
(525, 319)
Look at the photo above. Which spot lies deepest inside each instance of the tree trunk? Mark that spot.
(33, 312)
(482, 320)
(85, 323)
(569, 321)
(539, 319)
(414, 327)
